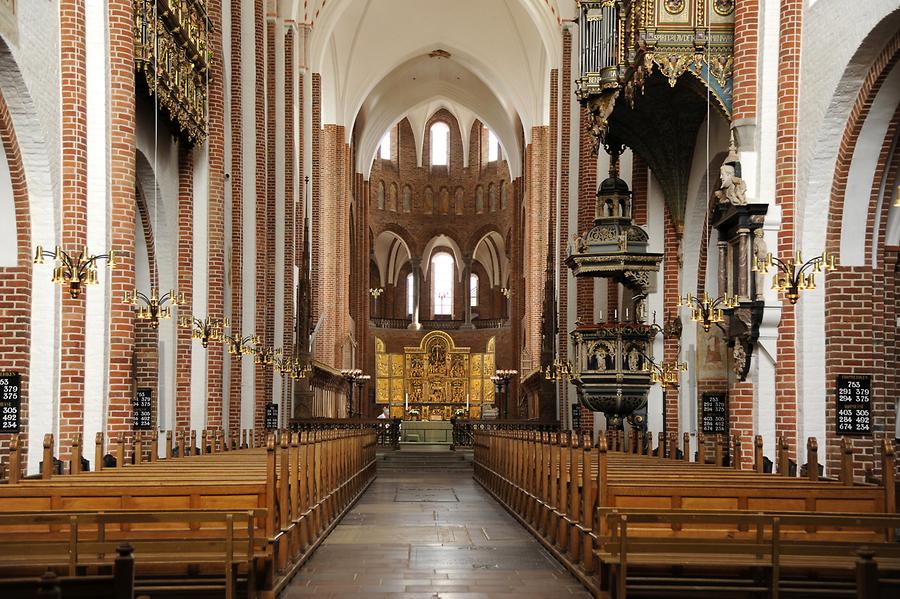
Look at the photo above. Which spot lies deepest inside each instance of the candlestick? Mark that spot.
(467, 402)
(406, 405)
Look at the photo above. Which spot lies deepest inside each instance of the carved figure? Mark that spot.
(760, 251)
(634, 359)
(733, 190)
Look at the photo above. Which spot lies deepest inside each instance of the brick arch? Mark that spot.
(15, 282)
(408, 238)
(860, 300)
(456, 156)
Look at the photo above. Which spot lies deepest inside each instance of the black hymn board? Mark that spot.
(576, 417)
(271, 416)
(854, 403)
(714, 418)
(142, 409)
(10, 401)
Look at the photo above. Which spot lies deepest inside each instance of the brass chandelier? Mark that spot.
(666, 373)
(240, 346)
(558, 370)
(154, 307)
(75, 270)
(206, 329)
(708, 311)
(794, 275)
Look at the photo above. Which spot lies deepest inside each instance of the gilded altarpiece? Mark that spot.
(434, 380)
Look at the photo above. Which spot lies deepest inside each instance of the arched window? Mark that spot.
(442, 284)
(392, 198)
(440, 144)
(493, 147)
(410, 297)
(384, 151)
(407, 198)
(380, 195)
(473, 290)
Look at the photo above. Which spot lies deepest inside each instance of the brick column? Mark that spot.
(785, 193)
(237, 217)
(290, 213)
(565, 123)
(74, 214)
(746, 44)
(185, 284)
(216, 215)
(587, 192)
(120, 18)
(671, 274)
(264, 41)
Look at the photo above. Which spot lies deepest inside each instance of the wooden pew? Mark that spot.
(556, 484)
(117, 585)
(297, 487)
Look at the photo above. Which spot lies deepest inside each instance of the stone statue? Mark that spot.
(760, 252)
(634, 359)
(733, 189)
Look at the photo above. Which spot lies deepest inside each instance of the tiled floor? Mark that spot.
(431, 535)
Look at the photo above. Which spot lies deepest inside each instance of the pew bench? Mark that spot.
(755, 558)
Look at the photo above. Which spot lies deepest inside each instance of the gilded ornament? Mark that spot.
(674, 7)
(723, 8)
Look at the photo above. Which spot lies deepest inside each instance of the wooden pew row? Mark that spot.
(117, 585)
(554, 484)
(297, 487)
(126, 450)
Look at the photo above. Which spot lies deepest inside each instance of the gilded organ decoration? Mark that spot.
(171, 53)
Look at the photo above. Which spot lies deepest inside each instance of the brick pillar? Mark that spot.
(265, 287)
(785, 193)
(746, 44)
(74, 214)
(671, 274)
(185, 284)
(291, 214)
(237, 216)
(120, 19)
(565, 124)
(216, 216)
(587, 192)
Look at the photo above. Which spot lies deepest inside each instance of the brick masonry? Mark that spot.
(861, 301)
(237, 219)
(120, 19)
(15, 287)
(73, 96)
(185, 284)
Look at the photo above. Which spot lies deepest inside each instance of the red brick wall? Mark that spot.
(860, 301)
(216, 224)
(185, 284)
(237, 216)
(120, 19)
(73, 97)
(785, 194)
(15, 288)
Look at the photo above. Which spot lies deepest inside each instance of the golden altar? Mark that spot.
(435, 380)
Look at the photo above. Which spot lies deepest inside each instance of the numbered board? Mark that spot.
(142, 409)
(854, 403)
(576, 417)
(10, 401)
(271, 416)
(714, 414)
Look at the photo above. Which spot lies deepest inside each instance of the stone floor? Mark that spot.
(431, 535)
